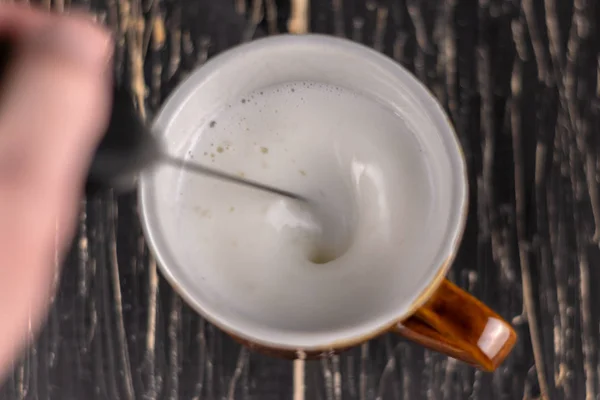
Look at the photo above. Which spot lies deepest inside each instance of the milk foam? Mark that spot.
(354, 158)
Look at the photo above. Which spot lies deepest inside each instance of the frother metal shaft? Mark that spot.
(202, 170)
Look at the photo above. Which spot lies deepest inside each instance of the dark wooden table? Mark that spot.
(520, 80)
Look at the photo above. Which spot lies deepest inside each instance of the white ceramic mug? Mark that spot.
(410, 296)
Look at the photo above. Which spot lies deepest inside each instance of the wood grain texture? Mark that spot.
(520, 80)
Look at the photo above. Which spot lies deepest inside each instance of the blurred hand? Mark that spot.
(54, 105)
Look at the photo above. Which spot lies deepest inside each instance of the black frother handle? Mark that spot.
(126, 147)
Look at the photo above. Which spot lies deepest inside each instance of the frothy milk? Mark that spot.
(363, 170)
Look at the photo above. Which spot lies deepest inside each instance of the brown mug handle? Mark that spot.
(455, 323)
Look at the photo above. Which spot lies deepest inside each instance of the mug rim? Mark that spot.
(178, 97)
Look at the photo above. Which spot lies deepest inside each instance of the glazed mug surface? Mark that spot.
(308, 313)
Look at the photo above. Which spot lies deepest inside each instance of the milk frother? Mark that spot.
(128, 147)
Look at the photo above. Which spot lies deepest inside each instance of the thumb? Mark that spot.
(53, 109)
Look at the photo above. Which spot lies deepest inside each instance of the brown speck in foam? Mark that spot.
(302, 172)
(212, 124)
(243, 101)
(264, 150)
(206, 213)
(231, 209)
(219, 149)
(241, 174)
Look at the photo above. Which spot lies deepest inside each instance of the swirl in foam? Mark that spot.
(369, 189)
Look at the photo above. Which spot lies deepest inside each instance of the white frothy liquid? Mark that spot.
(364, 173)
